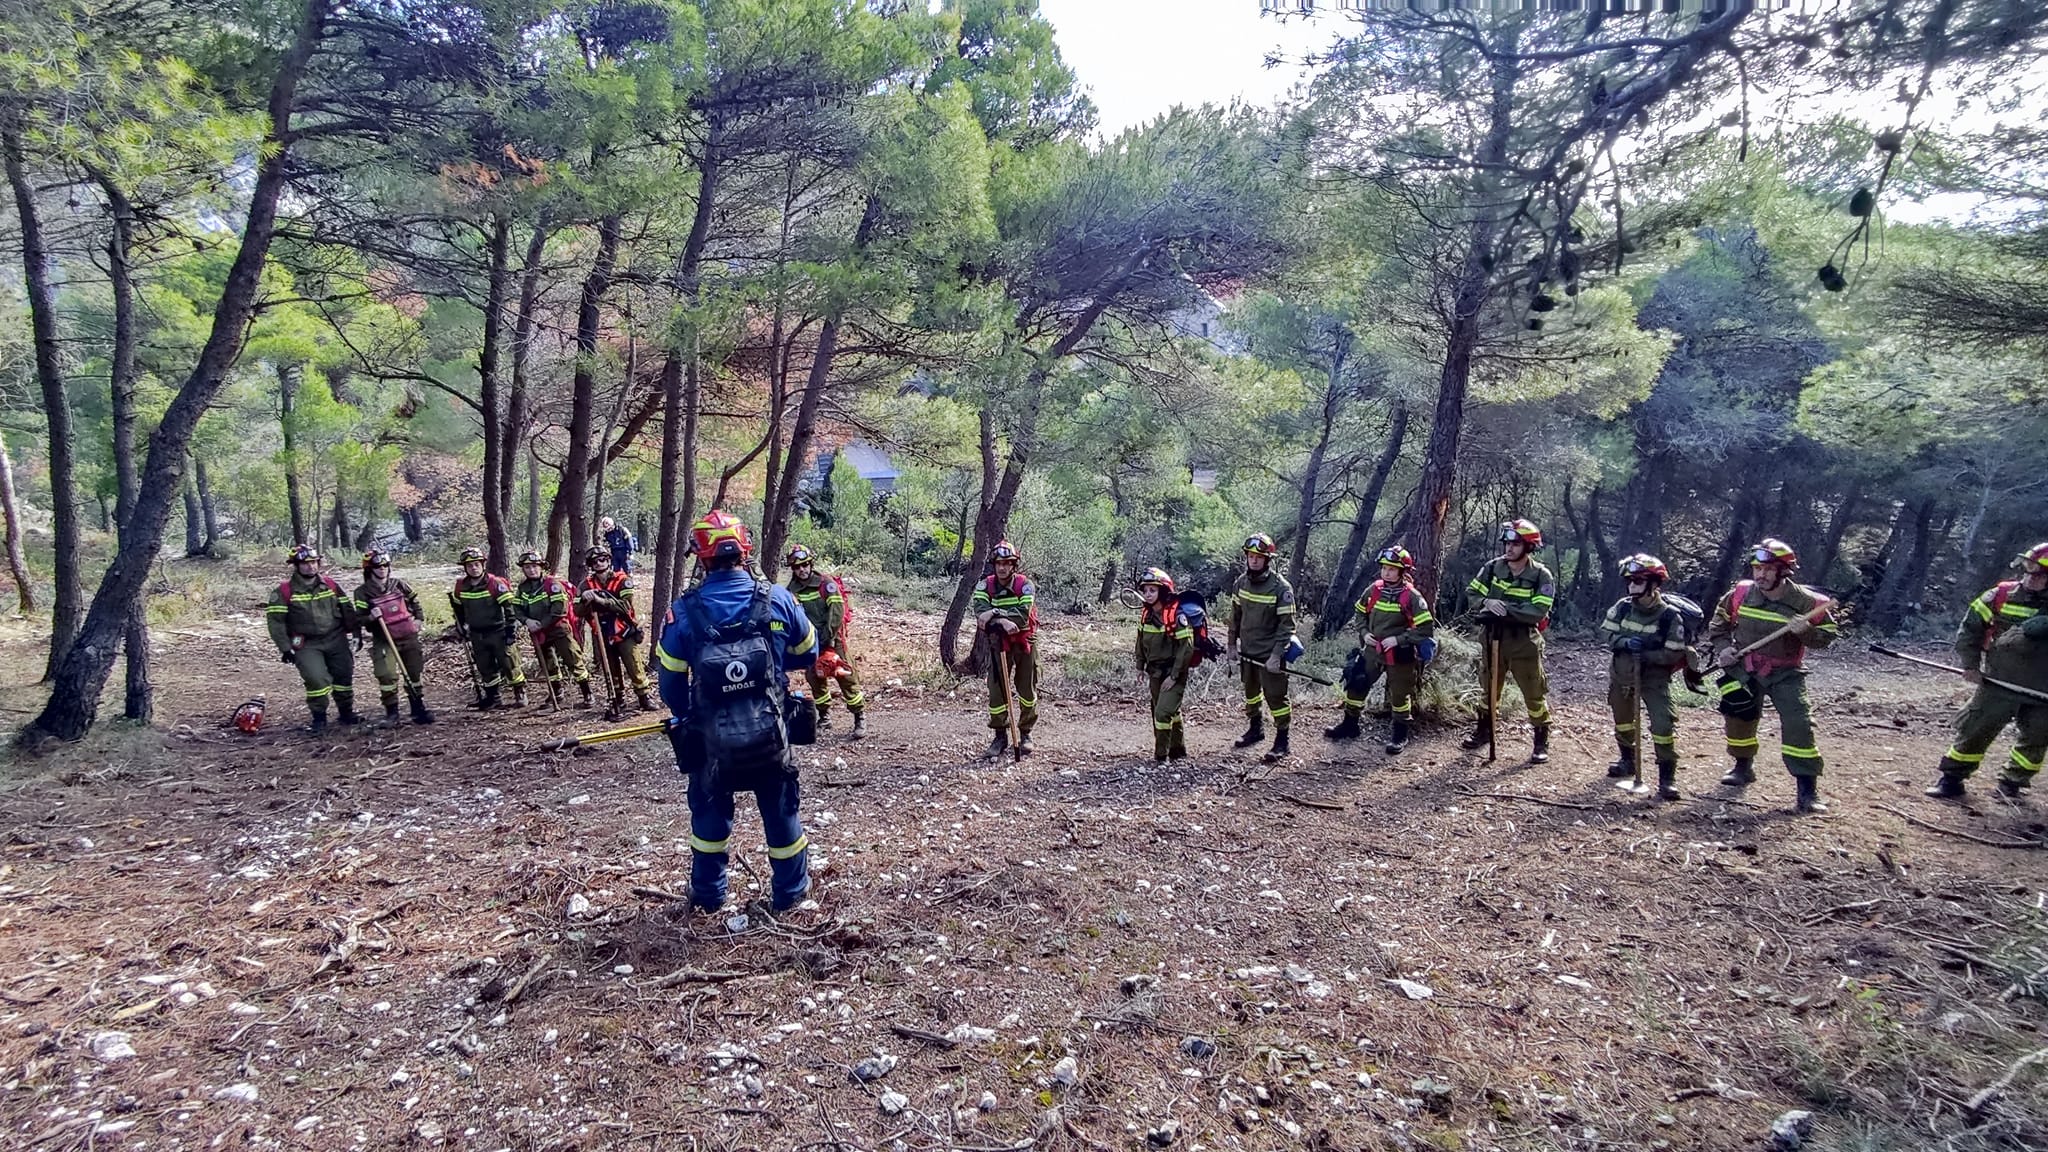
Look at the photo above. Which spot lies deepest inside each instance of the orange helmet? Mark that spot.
(1643, 566)
(720, 534)
(1771, 550)
(1524, 530)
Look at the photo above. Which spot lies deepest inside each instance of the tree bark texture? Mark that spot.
(17, 564)
(1354, 572)
(496, 459)
(75, 689)
(570, 499)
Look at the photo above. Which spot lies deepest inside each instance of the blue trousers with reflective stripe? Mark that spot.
(711, 814)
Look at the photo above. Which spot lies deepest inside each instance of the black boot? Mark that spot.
(1809, 795)
(824, 719)
(1624, 767)
(1541, 753)
(1949, 786)
(2012, 789)
(999, 744)
(319, 724)
(346, 708)
(1279, 748)
(1397, 737)
(1024, 745)
(860, 725)
(1667, 781)
(583, 686)
(518, 695)
(1252, 735)
(391, 711)
(1740, 774)
(420, 715)
(1480, 736)
(1345, 729)
(492, 699)
(646, 702)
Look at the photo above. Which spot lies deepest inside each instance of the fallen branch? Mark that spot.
(697, 976)
(1959, 833)
(646, 893)
(1325, 805)
(920, 1035)
(1530, 799)
(524, 982)
(1859, 906)
(1975, 1105)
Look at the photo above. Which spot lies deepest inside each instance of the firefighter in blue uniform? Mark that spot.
(719, 745)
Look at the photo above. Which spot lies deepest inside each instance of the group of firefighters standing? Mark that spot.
(1761, 628)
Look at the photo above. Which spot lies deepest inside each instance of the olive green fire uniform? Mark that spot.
(824, 601)
(542, 605)
(483, 607)
(1397, 612)
(1528, 595)
(1017, 603)
(1775, 672)
(2006, 641)
(609, 603)
(1662, 630)
(1166, 644)
(395, 603)
(310, 621)
(1261, 623)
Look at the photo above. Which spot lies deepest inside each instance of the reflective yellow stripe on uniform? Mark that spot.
(1964, 757)
(2025, 765)
(1742, 742)
(785, 853)
(1798, 753)
(710, 846)
(1259, 597)
(670, 662)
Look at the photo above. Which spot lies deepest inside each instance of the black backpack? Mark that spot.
(737, 690)
(1692, 623)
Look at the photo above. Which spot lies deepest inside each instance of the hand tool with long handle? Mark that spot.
(1635, 692)
(1494, 673)
(476, 679)
(1009, 696)
(1310, 676)
(540, 657)
(564, 743)
(2029, 693)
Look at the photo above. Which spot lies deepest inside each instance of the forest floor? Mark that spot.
(210, 939)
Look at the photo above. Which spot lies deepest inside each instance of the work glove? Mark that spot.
(284, 658)
(1631, 644)
(982, 620)
(511, 632)
(1230, 654)
(1730, 658)
(1494, 607)
(2036, 627)
(356, 641)
(1387, 645)
(1005, 625)
(1277, 662)
(1801, 626)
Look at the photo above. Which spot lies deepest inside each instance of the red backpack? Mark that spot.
(831, 586)
(284, 589)
(1999, 596)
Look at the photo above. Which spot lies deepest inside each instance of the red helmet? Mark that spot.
(1643, 566)
(1260, 544)
(1156, 576)
(2034, 559)
(1397, 557)
(720, 534)
(1004, 550)
(1771, 550)
(1524, 530)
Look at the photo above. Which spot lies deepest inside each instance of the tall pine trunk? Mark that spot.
(516, 403)
(137, 699)
(288, 378)
(570, 505)
(10, 508)
(1354, 574)
(1312, 472)
(804, 431)
(206, 506)
(678, 395)
(75, 689)
(496, 460)
(42, 310)
(195, 545)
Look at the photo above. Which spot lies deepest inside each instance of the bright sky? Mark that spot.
(1139, 58)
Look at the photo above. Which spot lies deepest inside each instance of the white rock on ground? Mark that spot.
(892, 1102)
(1067, 1072)
(108, 1047)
